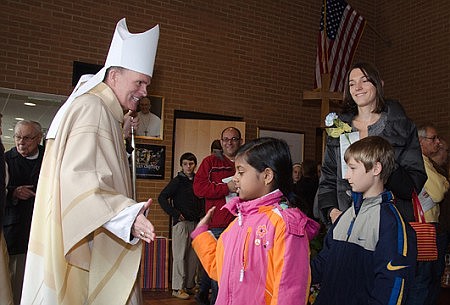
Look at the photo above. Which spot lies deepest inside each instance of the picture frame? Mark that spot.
(295, 140)
(151, 125)
(150, 161)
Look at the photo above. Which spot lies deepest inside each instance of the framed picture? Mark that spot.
(150, 161)
(151, 117)
(295, 140)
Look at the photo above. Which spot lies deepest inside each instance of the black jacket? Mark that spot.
(409, 172)
(18, 213)
(2, 184)
(178, 198)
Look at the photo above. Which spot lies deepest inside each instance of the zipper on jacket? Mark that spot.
(350, 228)
(244, 256)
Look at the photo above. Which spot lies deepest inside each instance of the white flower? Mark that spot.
(335, 127)
(329, 120)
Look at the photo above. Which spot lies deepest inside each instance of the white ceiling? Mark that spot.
(12, 107)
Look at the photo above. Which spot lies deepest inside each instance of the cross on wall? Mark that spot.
(324, 95)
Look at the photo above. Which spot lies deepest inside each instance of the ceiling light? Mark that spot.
(29, 104)
(19, 119)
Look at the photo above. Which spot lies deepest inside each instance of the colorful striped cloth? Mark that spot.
(155, 264)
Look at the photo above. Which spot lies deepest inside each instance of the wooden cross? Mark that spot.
(324, 95)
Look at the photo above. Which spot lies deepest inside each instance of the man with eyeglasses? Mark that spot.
(213, 182)
(23, 166)
(428, 274)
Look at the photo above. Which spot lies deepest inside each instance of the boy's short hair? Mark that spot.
(370, 150)
(188, 156)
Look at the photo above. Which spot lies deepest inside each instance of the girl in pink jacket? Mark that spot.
(263, 255)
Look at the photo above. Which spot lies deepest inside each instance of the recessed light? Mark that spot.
(19, 119)
(29, 104)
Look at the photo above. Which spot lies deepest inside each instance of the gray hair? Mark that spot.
(36, 126)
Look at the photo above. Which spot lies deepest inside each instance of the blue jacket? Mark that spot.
(369, 256)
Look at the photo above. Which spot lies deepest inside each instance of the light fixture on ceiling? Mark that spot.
(19, 119)
(29, 104)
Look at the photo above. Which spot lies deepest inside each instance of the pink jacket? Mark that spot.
(263, 255)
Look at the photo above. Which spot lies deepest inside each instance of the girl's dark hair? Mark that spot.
(271, 153)
(373, 76)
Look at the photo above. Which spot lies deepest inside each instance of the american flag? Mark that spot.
(338, 39)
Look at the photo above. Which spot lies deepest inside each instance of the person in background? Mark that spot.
(263, 255)
(213, 183)
(296, 172)
(149, 123)
(23, 164)
(428, 276)
(441, 164)
(216, 147)
(369, 252)
(177, 199)
(306, 187)
(86, 234)
(202, 296)
(6, 295)
(368, 112)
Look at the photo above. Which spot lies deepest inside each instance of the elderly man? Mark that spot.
(149, 123)
(24, 164)
(85, 237)
(427, 281)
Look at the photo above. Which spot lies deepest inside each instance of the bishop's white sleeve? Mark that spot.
(120, 225)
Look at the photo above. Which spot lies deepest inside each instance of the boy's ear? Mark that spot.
(377, 168)
(268, 176)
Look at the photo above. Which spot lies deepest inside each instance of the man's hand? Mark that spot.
(142, 227)
(231, 186)
(24, 192)
(130, 119)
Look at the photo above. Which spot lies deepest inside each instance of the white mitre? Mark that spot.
(135, 52)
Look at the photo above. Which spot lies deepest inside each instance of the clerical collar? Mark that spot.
(33, 157)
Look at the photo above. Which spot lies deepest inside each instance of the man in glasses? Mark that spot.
(428, 274)
(213, 182)
(24, 164)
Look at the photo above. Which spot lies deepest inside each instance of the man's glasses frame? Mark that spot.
(233, 139)
(26, 138)
(433, 138)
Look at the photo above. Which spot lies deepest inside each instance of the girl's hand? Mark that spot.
(207, 218)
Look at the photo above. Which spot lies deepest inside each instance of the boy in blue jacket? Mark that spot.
(369, 253)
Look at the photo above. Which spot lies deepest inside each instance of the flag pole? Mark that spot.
(386, 41)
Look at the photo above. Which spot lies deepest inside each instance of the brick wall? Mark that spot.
(417, 63)
(251, 59)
